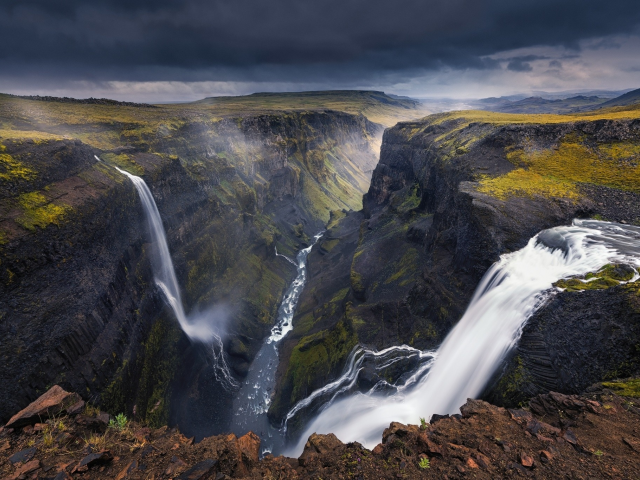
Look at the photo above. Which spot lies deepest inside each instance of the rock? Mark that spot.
(93, 459)
(54, 402)
(476, 407)
(128, 470)
(378, 449)
(23, 456)
(634, 444)
(429, 447)
(26, 468)
(322, 443)
(249, 446)
(199, 470)
(398, 429)
(482, 460)
(435, 418)
(546, 455)
(526, 460)
(97, 424)
(76, 408)
(471, 463)
(570, 437)
(318, 445)
(458, 451)
(520, 416)
(62, 476)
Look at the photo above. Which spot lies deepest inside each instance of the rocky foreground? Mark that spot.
(596, 435)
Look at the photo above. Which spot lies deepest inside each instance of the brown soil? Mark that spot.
(558, 436)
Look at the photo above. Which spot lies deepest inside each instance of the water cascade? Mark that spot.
(508, 294)
(200, 327)
(253, 400)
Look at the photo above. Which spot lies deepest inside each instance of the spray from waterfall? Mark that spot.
(199, 327)
(509, 293)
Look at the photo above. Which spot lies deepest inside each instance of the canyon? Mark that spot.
(415, 210)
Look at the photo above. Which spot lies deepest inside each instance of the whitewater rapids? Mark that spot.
(508, 294)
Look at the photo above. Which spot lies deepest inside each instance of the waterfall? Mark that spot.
(199, 327)
(508, 294)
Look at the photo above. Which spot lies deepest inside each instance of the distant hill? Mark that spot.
(575, 104)
(376, 106)
(629, 98)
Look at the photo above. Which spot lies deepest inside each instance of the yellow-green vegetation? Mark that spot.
(38, 211)
(316, 356)
(411, 201)
(125, 162)
(510, 386)
(609, 276)
(625, 388)
(12, 169)
(467, 117)
(554, 172)
(4, 239)
(405, 267)
(376, 106)
(525, 183)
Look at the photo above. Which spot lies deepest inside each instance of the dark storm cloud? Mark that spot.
(245, 39)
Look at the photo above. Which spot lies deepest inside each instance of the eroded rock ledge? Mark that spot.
(596, 435)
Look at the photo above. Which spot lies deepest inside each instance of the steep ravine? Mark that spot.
(79, 306)
(449, 195)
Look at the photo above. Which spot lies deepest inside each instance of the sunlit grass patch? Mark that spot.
(38, 211)
(526, 183)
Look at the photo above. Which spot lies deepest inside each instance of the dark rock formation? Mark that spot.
(429, 232)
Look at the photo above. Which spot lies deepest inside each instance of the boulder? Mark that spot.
(92, 459)
(319, 445)
(249, 446)
(54, 402)
(199, 470)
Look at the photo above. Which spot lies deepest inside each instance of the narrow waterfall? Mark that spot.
(200, 327)
(509, 293)
(252, 402)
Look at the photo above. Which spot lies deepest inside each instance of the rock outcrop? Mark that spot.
(78, 303)
(559, 436)
(451, 193)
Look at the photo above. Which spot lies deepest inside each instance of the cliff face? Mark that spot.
(78, 303)
(450, 194)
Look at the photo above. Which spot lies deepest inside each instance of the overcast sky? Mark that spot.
(163, 50)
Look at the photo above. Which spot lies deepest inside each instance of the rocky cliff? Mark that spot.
(451, 193)
(78, 304)
(558, 436)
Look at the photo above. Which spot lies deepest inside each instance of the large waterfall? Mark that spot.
(509, 293)
(200, 327)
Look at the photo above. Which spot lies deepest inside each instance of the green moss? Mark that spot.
(607, 277)
(554, 172)
(625, 388)
(526, 183)
(125, 162)
(12, 169)
(405, 267)
(317, 356)
(38, 211)
(412, 200)
(510, 386)
(160, 363)
(4, 238)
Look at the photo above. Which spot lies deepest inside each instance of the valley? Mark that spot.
(414, 209)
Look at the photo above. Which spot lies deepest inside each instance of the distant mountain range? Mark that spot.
(541, 103)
